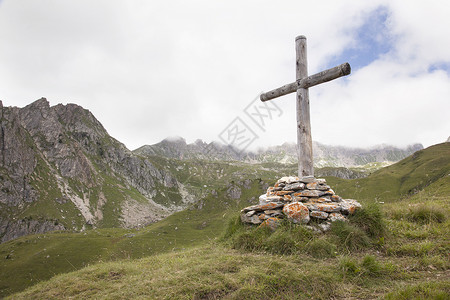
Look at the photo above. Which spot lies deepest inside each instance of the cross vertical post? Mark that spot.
(304, 140)
(301, 85)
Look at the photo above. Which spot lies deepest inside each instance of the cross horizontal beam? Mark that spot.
(308, 82)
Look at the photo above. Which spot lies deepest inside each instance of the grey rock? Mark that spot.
(294, 186)
(324, 226)
(14, 229)
(336, 217)
(308, 179)
(319, 215)
(254, 219)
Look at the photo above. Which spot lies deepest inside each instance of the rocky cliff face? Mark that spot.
(61, 170)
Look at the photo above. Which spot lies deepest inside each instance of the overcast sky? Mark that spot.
(152, 69)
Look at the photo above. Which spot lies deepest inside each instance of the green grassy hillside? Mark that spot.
(180, 256)
(403, 179)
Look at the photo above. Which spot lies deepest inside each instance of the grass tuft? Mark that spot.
(371, 266)
(426, 214)
(321, 248)
(350, 237)
(370, 219)
(426, 290)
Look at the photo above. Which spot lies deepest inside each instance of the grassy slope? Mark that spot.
(34, 258)
(416, 249)
(399, 180)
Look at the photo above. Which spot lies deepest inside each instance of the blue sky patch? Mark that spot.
(372, 40)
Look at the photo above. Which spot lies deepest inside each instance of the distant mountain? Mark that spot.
(60, 169)
(324, 156)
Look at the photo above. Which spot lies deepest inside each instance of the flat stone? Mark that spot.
(335, 198)
(317, 186)
(264, 199)
(319, 215)
(288, 180)
(250, 213)
(321, 181)
(294, 186)
(328, 192)
(325, 199)
(282, 193)
(336, 217)
(297, 212)
(326, 207)
(273, 212)
(271, 223)
(307, 179)
(309, 193)
(261, 207)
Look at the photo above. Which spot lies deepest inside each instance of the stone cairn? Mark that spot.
(299, 200)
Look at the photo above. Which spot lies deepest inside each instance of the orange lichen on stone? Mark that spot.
(351, 209)
(287, 198)
(282, 193)
(308, 193)
(297, 212)
(318, 200)
(311, 185)
(319, 214)
(270, 205)
(335, 198)
(337, 217)
(328, 207)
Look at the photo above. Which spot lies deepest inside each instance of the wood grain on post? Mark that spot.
(308, 82)
(304, 140)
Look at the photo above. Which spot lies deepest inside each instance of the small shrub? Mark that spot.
(350, 237)
(425, 214)
(369, 219)
(321, 248)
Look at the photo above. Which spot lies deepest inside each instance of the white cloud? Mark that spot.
(152, 69)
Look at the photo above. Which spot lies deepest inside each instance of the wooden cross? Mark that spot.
(301, 85)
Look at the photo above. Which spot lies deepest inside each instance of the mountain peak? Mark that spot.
(175, 139)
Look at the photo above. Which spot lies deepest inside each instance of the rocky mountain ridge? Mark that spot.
(324, 155)
(60, 169)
